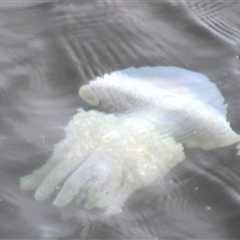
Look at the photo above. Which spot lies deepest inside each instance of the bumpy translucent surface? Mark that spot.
(106, 157)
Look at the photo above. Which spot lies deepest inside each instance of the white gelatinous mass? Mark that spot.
(155, 112)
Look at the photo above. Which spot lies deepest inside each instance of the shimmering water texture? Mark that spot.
(154, 112)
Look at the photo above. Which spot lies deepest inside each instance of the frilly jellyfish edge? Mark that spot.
(156, 112)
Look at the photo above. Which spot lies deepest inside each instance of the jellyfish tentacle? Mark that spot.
(143, 165)
(94, 172)
(83, 135)
(56, 176)
(33, 180)
(100, 194)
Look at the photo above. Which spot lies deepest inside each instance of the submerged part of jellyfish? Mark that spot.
(154, 112)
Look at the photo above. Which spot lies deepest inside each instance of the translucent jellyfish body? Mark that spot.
(153, 113)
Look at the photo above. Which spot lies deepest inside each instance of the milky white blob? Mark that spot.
(153, 113)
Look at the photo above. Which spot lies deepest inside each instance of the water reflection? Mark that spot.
(49, 50)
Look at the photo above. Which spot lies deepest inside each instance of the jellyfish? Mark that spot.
(141, 122)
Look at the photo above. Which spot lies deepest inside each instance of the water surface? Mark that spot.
(50, 49)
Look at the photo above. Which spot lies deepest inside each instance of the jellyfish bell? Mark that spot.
(188, 101)
(120, 88)
(88, 95)
(154, 113)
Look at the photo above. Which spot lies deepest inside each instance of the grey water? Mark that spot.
(48, 49)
